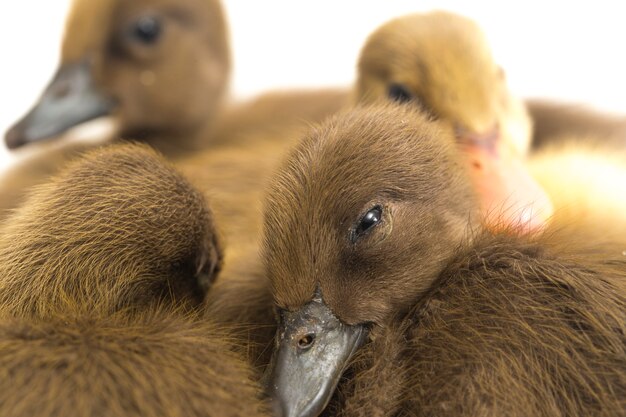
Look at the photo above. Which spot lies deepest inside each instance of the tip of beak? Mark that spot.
(14, 138)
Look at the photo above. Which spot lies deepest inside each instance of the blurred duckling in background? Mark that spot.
(158, 67)
(103, 276)
(441, 63)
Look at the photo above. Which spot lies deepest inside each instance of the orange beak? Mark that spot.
(509, 196)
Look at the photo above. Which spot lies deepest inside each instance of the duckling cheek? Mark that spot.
(147, 78)
(314, 348)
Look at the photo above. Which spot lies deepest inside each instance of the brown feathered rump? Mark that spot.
(103, 273)
(160, 363)
(461, 321)
(119, 225)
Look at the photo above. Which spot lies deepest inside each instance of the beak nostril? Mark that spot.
(306, 341)
(61, 90)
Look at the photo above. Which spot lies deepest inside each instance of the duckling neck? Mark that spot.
(176, 142)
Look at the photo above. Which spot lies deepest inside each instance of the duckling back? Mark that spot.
(103, 275)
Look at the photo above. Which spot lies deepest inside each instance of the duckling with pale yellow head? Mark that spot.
(441, 62)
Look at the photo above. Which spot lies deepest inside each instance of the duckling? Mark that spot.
(119, 224)
(235, 179)
(442, 63)
(393, 259)
(103, 273)
(160, 69)
(154, 65)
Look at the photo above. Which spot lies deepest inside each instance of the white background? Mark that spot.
(566, 50)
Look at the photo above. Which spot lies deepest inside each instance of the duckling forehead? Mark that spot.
(389, 151)
(87, 28)
(443, 58)
(91, 23)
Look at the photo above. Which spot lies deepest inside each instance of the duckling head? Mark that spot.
(442, 63)
(155, 66)
(359, 222)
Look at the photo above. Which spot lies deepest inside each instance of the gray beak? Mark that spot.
(69, 100)
(314, 348)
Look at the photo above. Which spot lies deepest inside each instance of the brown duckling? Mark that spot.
(160, 69)
(154, 65)
(454, 318)
(103, 272)
(442, 63)
(118, 224)
(234, 178)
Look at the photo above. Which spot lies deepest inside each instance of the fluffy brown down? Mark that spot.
(463, 322)
(157, 363)
(102, 277)
(118, 225)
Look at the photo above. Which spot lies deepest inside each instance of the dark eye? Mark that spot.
(399, 93)
(147, 30)
(369, 220)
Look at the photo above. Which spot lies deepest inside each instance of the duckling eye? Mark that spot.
(147, 30)
(399, 93)
(369, 220)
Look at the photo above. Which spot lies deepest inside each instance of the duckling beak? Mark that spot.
(509, 195)
(69, 100)
(314, 348)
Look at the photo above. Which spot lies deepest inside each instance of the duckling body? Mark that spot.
(103, 276)
(460, 319)
(562, 123)
(116, 221)
(158, 363)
